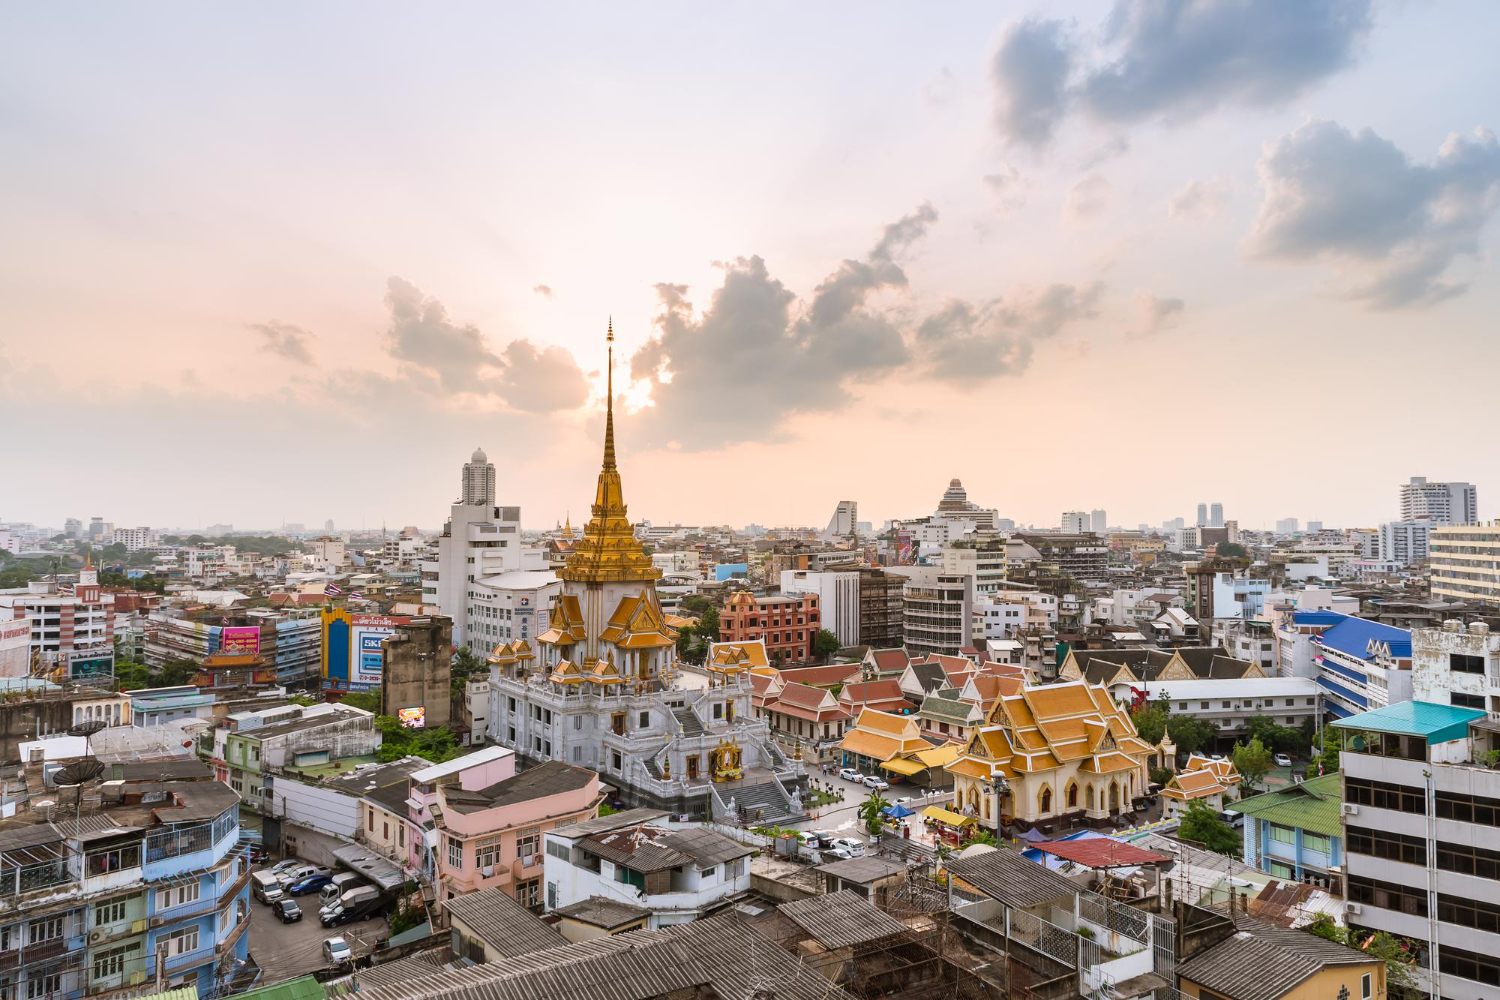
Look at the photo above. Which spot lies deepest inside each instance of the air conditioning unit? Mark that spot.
(157, 921)
(96, 936)
(1350, 809)
(1353, 909)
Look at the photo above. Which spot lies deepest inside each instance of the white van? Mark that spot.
(342, 883)
(266, 887)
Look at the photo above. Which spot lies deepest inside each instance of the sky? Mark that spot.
(289, 263)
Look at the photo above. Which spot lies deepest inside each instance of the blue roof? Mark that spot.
(1318, 617)
(1343, 692)
(1437, 723)
(1352, 637)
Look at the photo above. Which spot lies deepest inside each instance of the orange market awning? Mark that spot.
(904, 765)
(947, 816)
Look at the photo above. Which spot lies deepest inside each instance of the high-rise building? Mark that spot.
(72, 628)
(937, 611)
(845, 520)
(1313, 527)
(880, 608)
(1287, 526)
(479, 540)
(956, 506)
(1100, 521)
(479, 480)
(1216, 516)
(1419, 832)
(1464, 562)
(73, 527)
(1074, 521)
(1202, 515)
(1440, 503)
(1404, 542)
(838, 598)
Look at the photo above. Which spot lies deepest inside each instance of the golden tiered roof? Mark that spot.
(637, 624)
(565, 626)
(608, 552)
(502, 654)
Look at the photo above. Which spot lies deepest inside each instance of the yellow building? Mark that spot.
(1049, 755)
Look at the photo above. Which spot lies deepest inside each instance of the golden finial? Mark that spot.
(609, 412)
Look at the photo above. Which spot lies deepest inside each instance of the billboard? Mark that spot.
(352, 654)
(412, 718)
(240, 639)
(15, 648)
(906, 554)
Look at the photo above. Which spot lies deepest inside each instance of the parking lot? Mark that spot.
(287, 950)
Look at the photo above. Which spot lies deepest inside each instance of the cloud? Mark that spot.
(539, 381)
(1029, 74)
(1200, 201)
(1392, 226)
(423, 337)
(288, 341)
(543, 290)
(1087, 198)
(1153, 314)
(1008, 188)
(735, 371)
(1170, 60)
(941, 89)
(439, 356)
(966, 343)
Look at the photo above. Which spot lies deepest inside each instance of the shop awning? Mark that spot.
(947, 816)
(904, 765)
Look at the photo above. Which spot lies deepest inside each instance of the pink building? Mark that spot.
(480, 826)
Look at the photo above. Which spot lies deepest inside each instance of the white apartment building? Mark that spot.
(1440, 503)
(509, 606)
(1404, 542)
(1457, 665)
(1420, 812)
(838, 598)
(1464, 562)
(673, 874)
(1076, 522)
(134, 539)
(679, 562)
(1232, 703)
(984, 564)
(1239, 596)
(479, 541)
(1135, 607)
(936, 610)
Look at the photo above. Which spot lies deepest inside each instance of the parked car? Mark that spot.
(265, 887)
(876, 782)
(257, 854)
(308, 883)
(336, 951)
(850, 774)
(1282, 760)
(835, 854)
(282, 867)
(300, 872)
(849, 844)
(287, 911)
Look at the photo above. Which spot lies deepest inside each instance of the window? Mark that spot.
(487, 852)
(558, 849)
(43, 930)
(614, 759)
(528, 842)
(1469, 965)
(734, 869)
(181, 942)
(529, 893)
(38, 987)
(112, 962)
(185, 893)
(1203, 706)
(1315, 842)
(1387, 896)
(109, 913)
(371, 823)
(551, 895)
(718, 710)
(1467, 808)
(577, 722)
(1463, 663)
(1469, 913)
(114, 859)
(385, 831)
(400, 834)
(1467, 860)
(708, 872)
(455, 853)
(1387, 795)
(1387, 845)
(1283, 834)
(645, 721)
(1364, 986)
(1466, 700)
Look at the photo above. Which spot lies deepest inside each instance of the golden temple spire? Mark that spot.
(609, 401)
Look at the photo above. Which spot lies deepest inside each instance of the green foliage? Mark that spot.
(305, 700)
(1190, 733)
(696, 604)
(1231, 550)
(1151, 721)
(368, 701)
(1202, 825)
(408, 914)
(149, 582)
(1400, 981)
(1327, 755)
(1278, 738)
(605, 809)
(270, 545)
(979, 835)
(1160, 775)
(826, 644)
(1325, 926)
(1086, 932)
(132, 676)
(1252, 760)
(466, 665)
(397, 741)
(708, 625)
(869, 812)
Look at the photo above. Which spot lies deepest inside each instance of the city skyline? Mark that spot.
(327, 253)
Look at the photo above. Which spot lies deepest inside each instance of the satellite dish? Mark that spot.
(88, 728)
(80, 771)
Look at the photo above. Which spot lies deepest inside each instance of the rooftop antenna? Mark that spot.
(83, 770)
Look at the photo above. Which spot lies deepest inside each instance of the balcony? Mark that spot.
(187, 959)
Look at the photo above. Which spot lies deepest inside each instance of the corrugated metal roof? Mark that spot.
(1437, 723)
(1006, 876)
(502, 923)
(842, 919)
(1313, 805)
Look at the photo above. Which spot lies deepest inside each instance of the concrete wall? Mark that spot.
(417, 670)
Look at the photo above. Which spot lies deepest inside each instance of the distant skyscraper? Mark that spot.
(1100, 519)
(1202, 515)
(1439, 503)
(1075, 521)
(479, 481)
(1286, 526)
(1313, 527)
(1216, 516)
(845, 520)
(1175, 524)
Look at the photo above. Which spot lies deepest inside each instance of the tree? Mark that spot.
(1328, 756)
(397, 741)
(1276, 737)
(368, 701)
(1231, 550)
(1325, 926)
(826, 644)
(1400, 981)
(708, 624)
(979, 835)
(131, 676)
(1252, 760)
(1202, 825)
(696, 604)
(1191, 733)
(466, 664)
(870, 811)
(1151, 721)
